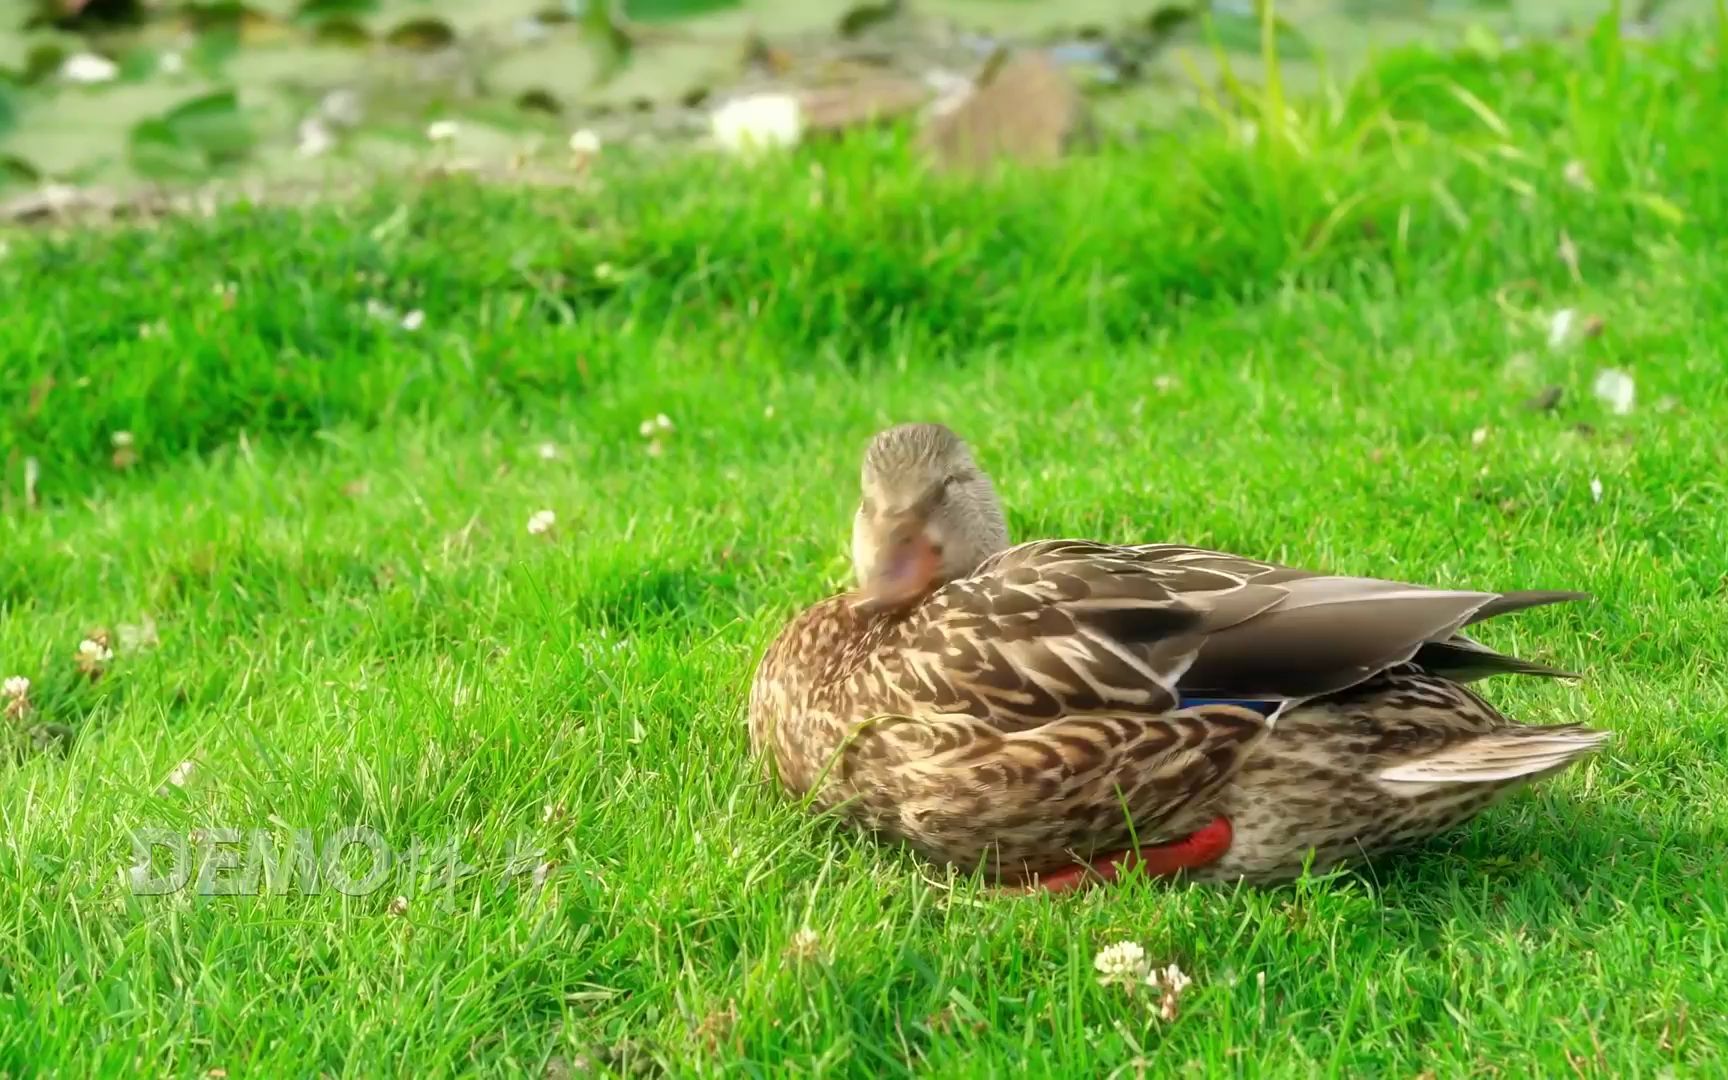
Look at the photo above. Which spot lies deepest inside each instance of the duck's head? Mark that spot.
(927, 515)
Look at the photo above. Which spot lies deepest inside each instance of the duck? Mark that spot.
(1058, 713)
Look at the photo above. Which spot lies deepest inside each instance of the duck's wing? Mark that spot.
(1049, 630)
(1323, 632)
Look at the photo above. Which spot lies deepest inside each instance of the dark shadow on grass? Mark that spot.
(700, 598)
(1518, 869)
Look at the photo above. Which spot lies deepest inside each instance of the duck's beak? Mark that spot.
(908, 567)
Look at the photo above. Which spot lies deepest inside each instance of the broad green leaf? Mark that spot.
(422, 35)
(156, 151)
(319, 10)
(213, 125)
(8, 106)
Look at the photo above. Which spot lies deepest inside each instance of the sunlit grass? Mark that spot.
(1323, 355)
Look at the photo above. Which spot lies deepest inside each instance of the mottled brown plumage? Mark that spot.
(1025, 708)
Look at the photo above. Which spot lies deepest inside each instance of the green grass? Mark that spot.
(1281, 346)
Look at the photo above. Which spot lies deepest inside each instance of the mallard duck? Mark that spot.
(1057, 711)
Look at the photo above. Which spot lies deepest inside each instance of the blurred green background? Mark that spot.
(119, 91)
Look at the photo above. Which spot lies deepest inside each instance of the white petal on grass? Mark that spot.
(414, 320)
(171, 63)
(1615, 389)
(89, 69)
(181, 774)
(1577, 175)
(585, 142)
(548, 451)
(1479, 436)
(750, 125)
(1560, 327)
(1596, 489)
(541, 522)
(442, 131)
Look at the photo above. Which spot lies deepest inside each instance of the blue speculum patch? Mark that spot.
(1264, 708)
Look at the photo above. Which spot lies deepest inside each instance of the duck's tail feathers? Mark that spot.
(1507, 603)
(1464, 661)
(1500, 756)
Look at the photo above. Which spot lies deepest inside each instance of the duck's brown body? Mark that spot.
(1029, 716)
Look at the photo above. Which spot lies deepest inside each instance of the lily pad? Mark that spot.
(349, 32)
(15, 170)
(193, 138)
(422, 35)
(664, 10)
(316, 11)
(560, 70)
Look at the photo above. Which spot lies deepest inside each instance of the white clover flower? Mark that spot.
(584, 143)
(1172, 982)
(442, 131)
(180, 774)
(399, 906)
(121, 439)
(1173, 979)
(15, 686)
(759, 122)
(89, 69)
(1596, 489)
(548, 451)
(414, 320)
(541, 522)
(1615, 389)
(806, 944)
(1123, 963)
(94, 651)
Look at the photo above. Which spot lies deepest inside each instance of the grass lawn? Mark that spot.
(1306, 332)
